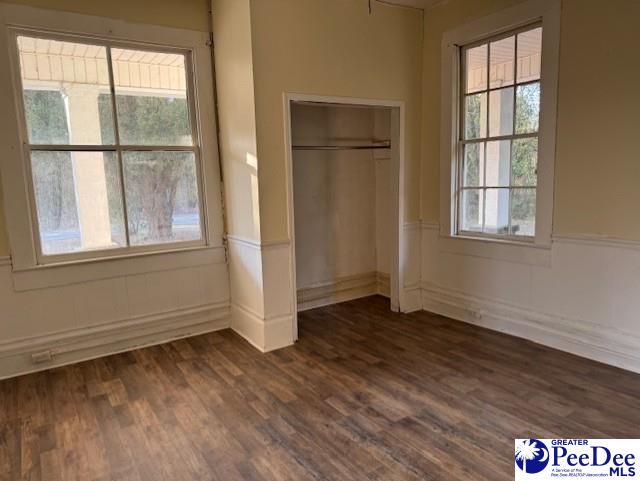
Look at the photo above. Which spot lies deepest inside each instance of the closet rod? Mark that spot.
(341, 147)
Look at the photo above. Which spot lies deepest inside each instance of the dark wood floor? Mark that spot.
(365, 394)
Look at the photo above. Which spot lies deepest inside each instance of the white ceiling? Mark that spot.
(424, 4)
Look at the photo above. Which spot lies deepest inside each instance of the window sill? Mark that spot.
(86, 270)
(521, 252)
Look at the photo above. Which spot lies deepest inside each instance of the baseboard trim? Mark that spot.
(383, 284)
(430, 225)
(411, 298)
(580, 337)
(343, 289)
(412, 225)
(5, 261)
(79, 345)
(264, 334)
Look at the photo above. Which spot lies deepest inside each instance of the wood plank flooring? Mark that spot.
(364, 395)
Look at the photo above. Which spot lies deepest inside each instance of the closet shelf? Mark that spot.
(377, 145)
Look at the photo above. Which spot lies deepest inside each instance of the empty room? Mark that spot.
(372, 240)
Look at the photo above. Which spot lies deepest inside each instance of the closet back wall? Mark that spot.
(341, 200)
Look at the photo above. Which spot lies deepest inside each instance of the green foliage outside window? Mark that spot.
(524, 157)
(47, 124)
(144, 120)
(155, 177)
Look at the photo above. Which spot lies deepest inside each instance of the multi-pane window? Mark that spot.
(498, 143)
(112, 146)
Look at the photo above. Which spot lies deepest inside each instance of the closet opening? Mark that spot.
(345, 160)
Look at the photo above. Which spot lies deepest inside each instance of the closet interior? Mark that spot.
(342, 160)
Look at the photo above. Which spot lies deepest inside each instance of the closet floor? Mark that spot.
(365, 394)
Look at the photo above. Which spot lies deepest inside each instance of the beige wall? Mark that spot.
(4, 238)
(437, 21)
(236, 110)
(597, 167)
(330, 47)
(189, 14)
(334, 47)
(598, 152)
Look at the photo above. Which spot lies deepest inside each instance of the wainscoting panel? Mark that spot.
(51, 326)
(581, 295)
(262, 307)
(411, 254)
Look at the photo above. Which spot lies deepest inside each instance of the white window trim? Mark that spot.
(13, 168)
(547, 12)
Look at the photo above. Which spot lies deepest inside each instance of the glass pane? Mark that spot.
(78, 200)
(527, 108)
(475, 120)
(501, 112)
(523, 212)
(502, 55)
(66, 92)
(163, 204)
(529, 54)
(151, 97)
(473, 165)
(476, 65)
(525, 162)
(496, 213)
(471, 210)
(498, 155)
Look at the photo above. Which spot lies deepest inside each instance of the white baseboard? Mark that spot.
(412, 298)
(343, 289)
(383, 284)
(583, 338)
(263, 334)
(82, 344)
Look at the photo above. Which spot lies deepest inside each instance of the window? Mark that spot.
(497, 171)
(112, 146)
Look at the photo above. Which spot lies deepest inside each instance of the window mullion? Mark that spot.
(528, 135)
(158, 148)
(459, 185)
(515, 81)
(114, 108)
(72, 148)
(487, 133)
(462, 81)
(513, 127)
(484, 180)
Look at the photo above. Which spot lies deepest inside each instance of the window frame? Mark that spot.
(502, 24)
(20, 206)
(116, 148)
(462, 142)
